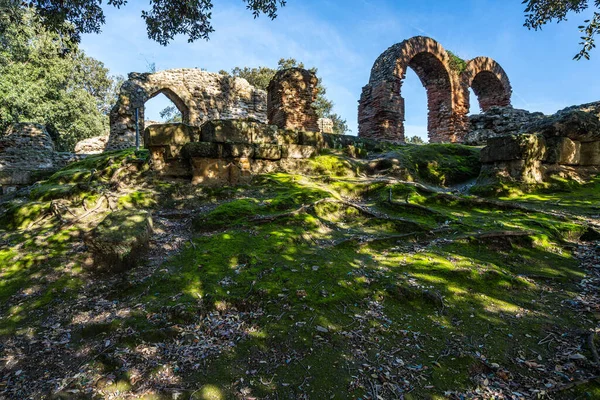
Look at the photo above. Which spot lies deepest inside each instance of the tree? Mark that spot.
(415, 140)
(48, 80)
(260, 77)
(171, 114)
(164, 20)
(540, 12)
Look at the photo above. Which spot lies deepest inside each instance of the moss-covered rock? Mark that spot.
(120, 241)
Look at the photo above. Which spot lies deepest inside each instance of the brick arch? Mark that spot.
(489, 82)
(381, 107)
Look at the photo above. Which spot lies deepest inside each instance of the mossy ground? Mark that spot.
(340, 283)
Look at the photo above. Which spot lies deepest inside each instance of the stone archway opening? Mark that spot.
(163, 106)
(490, 91)
(435, 78)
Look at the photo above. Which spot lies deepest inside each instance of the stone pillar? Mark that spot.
(381, 112)
(290, 97)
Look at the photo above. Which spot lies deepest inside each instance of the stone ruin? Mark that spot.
(231, 130)
(381, 106)
(200, 97)
(26, 152)
(290, 98)
(229, 151)
(536, 148)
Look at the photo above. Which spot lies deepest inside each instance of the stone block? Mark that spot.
(514, 147)
(120, 241)
(201, 149)
(171, 134)
(267, 152)
(267, 135)
(526, 171)
(237, 150)
(562, 150)
(298, 151)
(158, 157)
(240, 171)
(590, 154)
(287, 136)
(311, 139)
(230, 131)
(209, 171)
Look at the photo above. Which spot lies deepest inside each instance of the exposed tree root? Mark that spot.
(363, 209)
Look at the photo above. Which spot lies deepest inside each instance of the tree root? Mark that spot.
(362, 209)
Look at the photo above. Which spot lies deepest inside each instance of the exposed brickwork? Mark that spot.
(25, 149)
(200, 96)
(290, 97)
(381, 111)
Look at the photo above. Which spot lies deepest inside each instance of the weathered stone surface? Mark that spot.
(237, 150)
(325, 125)
(290, 100)
(499, 121)
(298, 151)
(526, 171)
(93, 145)
(231, 131)
(267, 152)
(514, 147)
(171, 134)
(562, 150)
(209, 171)
(574, 124)
(590, 154)
(381, 106)
(312, 139)
(200, 149)
(200, 96)
(27, 148)
(120, 241)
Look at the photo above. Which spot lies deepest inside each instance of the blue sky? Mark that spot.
(343, 38)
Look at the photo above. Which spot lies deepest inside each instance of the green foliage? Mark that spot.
(540, 12)
(415, 140)
(48, 80)
(261, 76)
(457, 63)
(164, 20)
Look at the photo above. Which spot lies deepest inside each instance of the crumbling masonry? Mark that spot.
(200, 96)
(381, 106)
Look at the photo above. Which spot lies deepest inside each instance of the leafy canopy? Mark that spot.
(164, 19)
(260, 77)
(48, 80)
(539, 12)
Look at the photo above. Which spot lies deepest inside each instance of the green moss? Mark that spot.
(332, 165)
(137, 199)
(456, 63)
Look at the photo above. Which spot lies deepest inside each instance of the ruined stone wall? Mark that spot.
(25, 150)
(381, 110)
(200, 96)
(499, 121)
(566, 144)
(290, 100)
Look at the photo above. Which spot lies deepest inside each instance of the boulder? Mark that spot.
(562, 150)
(576, 125)
(590, 154)
(514, 147)
(120, 241)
